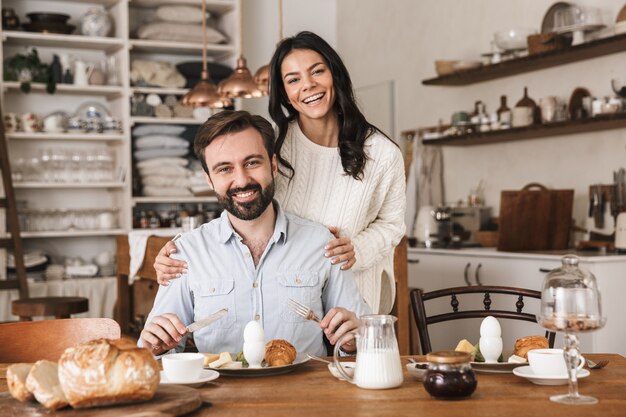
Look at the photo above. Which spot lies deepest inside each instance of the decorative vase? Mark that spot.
(96, 22)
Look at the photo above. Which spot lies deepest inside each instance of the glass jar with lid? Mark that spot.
(449, 375)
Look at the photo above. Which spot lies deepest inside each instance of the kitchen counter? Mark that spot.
(585, 256)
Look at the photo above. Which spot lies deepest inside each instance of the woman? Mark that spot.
(336, 168)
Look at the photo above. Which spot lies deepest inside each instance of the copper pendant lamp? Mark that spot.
(262, 75)
(240, 84)
(204, 93)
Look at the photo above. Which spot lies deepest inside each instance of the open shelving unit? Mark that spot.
(588, 50)
(68, 97)
(569, 127)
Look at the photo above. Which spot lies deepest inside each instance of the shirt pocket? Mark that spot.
(303, 287)
(212, 295)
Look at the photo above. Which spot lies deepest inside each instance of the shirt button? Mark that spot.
(298, 281)
(247, 255)
(257, 317)
(255, 284)
(212, 290)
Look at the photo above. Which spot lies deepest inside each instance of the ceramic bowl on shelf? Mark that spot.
(512, 39)
(46, 17)
(444, 67)
(465, 65)
(49, 27)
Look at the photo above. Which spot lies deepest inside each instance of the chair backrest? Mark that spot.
(29, 341)
(418, 297)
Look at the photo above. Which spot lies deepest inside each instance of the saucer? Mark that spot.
(417, 369)
(527, 372)
(205, 376)
(347, 366)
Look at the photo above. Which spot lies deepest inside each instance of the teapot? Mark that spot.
(82, 72)
(378, 358)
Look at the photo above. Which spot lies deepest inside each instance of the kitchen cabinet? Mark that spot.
(433, 269)
(79, 195)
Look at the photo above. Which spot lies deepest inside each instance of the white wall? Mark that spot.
(260, 19)
(399, 40)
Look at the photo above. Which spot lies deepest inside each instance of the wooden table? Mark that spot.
(312, 391)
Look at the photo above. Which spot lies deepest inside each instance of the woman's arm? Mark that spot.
(381, 236)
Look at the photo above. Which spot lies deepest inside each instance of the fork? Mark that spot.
(599, 365)
(302, 310)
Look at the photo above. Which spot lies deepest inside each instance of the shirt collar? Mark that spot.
(226, 231)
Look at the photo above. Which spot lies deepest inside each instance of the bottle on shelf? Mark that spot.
(525, 111)
(504, 114)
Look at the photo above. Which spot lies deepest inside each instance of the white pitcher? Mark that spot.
(378, 358)
(82, 72)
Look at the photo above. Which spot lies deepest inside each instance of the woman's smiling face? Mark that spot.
(308, 83)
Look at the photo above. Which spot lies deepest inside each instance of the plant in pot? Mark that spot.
(27, 68)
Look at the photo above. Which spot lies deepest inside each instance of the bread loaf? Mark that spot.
(103, 372)
(43, 382)
(279, 353)
(524, 344)
(16, 380)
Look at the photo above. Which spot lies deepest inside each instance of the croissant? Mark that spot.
(279, 353)
(524, 344)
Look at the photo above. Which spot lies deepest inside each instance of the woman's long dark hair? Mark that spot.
(354, 129)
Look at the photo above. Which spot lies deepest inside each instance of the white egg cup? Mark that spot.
(491, 348)
(254, 352)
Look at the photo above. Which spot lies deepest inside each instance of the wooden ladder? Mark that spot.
(8, 203)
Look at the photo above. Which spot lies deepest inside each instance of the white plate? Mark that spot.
(301, 359)
(495, 368)
(415, 369)
(527, 372)
(205, 376)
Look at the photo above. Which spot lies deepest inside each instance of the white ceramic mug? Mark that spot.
(11, 122)
(183, 366)
(550, 362)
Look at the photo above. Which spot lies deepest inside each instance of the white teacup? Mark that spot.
(550, 362)
(183, 366)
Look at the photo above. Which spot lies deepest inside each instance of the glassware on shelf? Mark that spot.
(570, 303)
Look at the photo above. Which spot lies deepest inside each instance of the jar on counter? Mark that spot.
(449, 375)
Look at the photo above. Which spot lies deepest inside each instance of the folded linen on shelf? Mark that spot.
(154, 129)
(172, 170)
(165, 181)
(151, 191)
(159, 162)
(143, 154)
(160, 141)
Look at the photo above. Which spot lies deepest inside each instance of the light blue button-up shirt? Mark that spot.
(222, 274)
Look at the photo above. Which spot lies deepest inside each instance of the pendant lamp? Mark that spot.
(205, 94)
(262, 75)
(240, 84)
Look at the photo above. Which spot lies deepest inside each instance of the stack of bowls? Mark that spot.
(48, 23)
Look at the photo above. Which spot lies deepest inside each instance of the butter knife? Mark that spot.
(197, 325)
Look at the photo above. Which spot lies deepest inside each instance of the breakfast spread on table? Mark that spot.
(95, 373)
(489, 329)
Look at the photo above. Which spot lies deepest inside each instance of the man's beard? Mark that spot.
(252, 209)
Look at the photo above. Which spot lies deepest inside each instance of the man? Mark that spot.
(253, 258)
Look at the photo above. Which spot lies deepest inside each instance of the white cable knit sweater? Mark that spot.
(370, 211)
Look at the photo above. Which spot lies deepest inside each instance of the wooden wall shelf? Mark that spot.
(593, 49)
(570, 127)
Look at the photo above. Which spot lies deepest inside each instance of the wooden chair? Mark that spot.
(401, 308)
(47, 339)
(25, 307)
(418, 297)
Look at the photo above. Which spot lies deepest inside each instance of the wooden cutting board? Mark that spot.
(535, 218)
(169, 400)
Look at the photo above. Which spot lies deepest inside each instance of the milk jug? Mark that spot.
(378, 358)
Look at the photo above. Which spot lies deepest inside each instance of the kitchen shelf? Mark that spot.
(180, 48)
(105, 3)
(73, 233)
(213, 6)
(58, 185)
(178, 199)
(588, 50)
(570, 127)
(108, 91)
(166, 120)
(76, 137)
(11, 37)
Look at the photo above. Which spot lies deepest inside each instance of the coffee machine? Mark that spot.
(466, 220)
